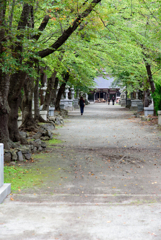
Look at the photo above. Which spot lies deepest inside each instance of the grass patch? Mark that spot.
(21, 178)
(58, 126)
(54, 141)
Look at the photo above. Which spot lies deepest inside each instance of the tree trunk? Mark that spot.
(28, 122)
(54, 90)
(151, 82)
(36, 100)
(17, 79)
(4, 110)
(13, 124)
(50, 86)
(60, 92)
(146, 98)
(4, 84)
(16, 83)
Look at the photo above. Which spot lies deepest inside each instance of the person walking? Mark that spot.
(113, 100)
(109, 101)
(82, 105)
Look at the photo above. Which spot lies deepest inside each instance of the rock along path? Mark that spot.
(102, 182)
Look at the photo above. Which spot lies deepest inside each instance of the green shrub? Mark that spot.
(157, 97)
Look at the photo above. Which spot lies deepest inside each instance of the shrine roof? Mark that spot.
(103, 82)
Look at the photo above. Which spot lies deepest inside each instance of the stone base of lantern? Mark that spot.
(75, 104)
(134, 104)
(148, 111)
(123, 102)
(51, 111)
(66, 104)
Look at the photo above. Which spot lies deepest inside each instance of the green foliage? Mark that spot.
(118, 36)
(157, 96)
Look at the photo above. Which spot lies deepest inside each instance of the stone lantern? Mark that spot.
(66, 92)
(87, 97)
(123, 99)
(72, 93)
(66, 103)
(44, 89)
(136, 104)
(77, 94)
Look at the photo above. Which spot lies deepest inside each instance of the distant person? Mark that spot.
(82, 105)
(113, 100)
(108, 101)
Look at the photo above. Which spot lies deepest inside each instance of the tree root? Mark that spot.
(40, 119)
(29, 124)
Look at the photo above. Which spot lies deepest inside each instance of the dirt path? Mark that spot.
(102, 182)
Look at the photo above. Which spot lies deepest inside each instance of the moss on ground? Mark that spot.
(35, 173)
(58, 126)
(53, 141)
(31, 174)
(21, 177)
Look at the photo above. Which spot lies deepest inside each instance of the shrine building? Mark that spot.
(103, 89)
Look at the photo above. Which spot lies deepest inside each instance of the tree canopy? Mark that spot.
(80, 38)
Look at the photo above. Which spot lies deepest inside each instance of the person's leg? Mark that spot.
(81, 108)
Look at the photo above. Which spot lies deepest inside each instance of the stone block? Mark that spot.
(51, 111)
(43, 144)
(24, 149)
(19, 156)
(35, 149)
(44, 115)
(134, 104)
(7, 157)
(23, 134)
(66, 104)
(50, 134)
(148, 111)
(19, 121)
(31, 147)
(27, 156)
(13, 154)
(49, 126)
(37, 135)
(40, 148)
(45, 138)
(123, 102)
(140, 107)
(37, 143)
(5, 190)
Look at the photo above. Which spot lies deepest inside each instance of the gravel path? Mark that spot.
(102, 182)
